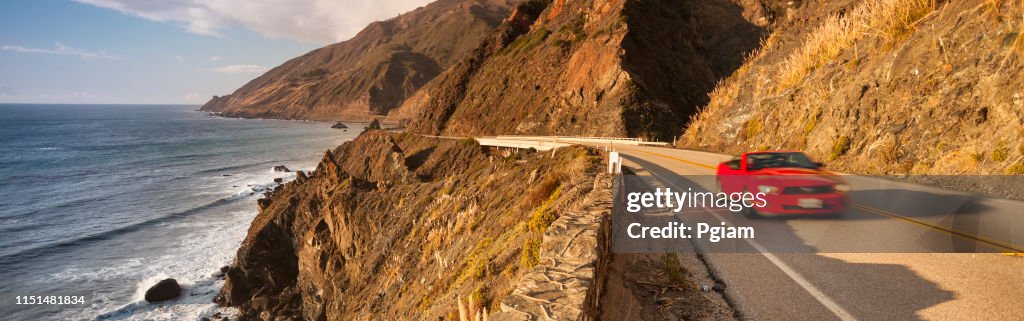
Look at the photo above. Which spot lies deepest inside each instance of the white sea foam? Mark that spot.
(200, 254)
(211, 245)
(163, 210)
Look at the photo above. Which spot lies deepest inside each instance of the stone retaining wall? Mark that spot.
(568, 282)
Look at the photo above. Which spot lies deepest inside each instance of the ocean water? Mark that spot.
(103, 201)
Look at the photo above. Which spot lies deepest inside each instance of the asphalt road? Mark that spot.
(900, 252)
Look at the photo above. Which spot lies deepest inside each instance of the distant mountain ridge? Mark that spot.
(472, 67)
(371, 73)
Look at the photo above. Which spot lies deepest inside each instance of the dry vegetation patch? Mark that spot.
(891, 20)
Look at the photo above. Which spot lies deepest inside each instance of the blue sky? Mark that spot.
(174, 51)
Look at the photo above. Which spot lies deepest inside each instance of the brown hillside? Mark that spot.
(399, 227)
(602, 67)
(371, 73)
(882, 86)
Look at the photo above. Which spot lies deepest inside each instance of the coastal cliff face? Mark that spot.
(398, 226)
(467, 67)
(371, 73)
(601, 67)
(881, 86)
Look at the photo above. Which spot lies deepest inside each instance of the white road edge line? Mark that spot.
(822, 298)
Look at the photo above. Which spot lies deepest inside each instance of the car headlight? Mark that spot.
(767, 189)
(842, 188)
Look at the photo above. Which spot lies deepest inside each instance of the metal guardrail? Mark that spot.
(540, 145)
(549, 138)
(581, 139)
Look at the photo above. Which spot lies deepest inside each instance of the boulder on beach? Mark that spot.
(164, 290)
(278, 180)
(339, 125)
(281, 168)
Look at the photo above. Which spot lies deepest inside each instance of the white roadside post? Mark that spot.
(614, 163)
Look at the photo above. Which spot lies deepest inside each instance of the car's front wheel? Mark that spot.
(750, 212)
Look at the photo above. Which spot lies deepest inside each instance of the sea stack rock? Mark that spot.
(339, 125)
(281, 168)
(375, 124)
(163, 291)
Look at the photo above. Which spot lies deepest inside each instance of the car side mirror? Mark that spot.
(819, 164)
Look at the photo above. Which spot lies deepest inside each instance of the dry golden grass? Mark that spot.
(891, 20)
(542, 191)
(1018, 44)
(1000, 154)
(1016, 169)
(727, 88)
(840, 147)
(471, 310)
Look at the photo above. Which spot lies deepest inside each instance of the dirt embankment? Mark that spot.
(397, 226)
(881, 87)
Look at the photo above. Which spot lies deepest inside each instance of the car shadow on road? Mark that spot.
(869, 291)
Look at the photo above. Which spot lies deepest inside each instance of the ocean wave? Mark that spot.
(240, 186)
(191, 261)
(195, 300)
(68, 244)
(229, 168)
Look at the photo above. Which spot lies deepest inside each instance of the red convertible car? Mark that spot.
(792, 184)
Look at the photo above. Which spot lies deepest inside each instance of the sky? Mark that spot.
(163, 51)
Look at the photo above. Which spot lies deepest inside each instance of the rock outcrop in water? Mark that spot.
(402, 227)
(164, 290)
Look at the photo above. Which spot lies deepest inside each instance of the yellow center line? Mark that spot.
(978, 238)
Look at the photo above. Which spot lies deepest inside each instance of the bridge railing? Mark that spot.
(581, 139)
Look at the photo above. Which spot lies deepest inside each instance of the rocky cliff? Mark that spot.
(595, 67)
(881, 86)
(371, 73)
(402, 227)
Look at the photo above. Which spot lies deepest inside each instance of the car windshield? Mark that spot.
(779, 160)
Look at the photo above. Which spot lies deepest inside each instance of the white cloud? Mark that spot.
(179, 58)
(193, 96)
(240, 69)
(7, 92)
(61, 49)
(216, 58)
(317, 21)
